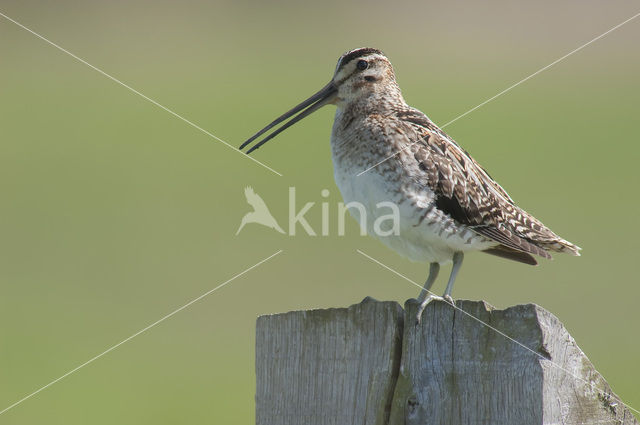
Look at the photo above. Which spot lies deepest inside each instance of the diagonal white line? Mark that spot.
(138, 333)
(591, 384)
(175, 114)
(541, 70)
(509, 88)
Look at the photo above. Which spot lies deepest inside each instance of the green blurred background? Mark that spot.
(114, 212)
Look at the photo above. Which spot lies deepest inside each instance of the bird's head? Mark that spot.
(360, 73)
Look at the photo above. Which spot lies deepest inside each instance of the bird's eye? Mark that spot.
(362, 65)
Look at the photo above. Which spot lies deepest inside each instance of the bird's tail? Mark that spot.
(562, 245)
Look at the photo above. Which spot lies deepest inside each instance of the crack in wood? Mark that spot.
(364, 365)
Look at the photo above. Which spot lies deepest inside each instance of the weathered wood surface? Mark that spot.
(372, 363)
(335, 366)
(456, 370)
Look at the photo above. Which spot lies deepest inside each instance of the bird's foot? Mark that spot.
(423, 305)
(447, 298)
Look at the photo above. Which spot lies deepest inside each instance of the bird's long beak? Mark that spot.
(326, 95)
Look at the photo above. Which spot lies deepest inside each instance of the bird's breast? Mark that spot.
(370, 177)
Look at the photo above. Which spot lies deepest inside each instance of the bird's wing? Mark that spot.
(254, 199)
(425, 129)
(466, 192)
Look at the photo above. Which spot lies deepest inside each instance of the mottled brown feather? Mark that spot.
(512, 254)
(466, 192)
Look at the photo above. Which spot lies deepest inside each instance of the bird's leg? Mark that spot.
(425, 296)
(434, 268)
(457, 262)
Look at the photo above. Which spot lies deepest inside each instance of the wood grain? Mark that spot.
(373, 363)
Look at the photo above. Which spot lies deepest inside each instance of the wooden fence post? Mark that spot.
(372, 363)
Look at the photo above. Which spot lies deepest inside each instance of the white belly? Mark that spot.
(424, 233)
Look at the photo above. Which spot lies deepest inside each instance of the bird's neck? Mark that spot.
(377, 103)
(353, 122)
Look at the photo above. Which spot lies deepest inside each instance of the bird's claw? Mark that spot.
(448, 299)
(423, 305)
